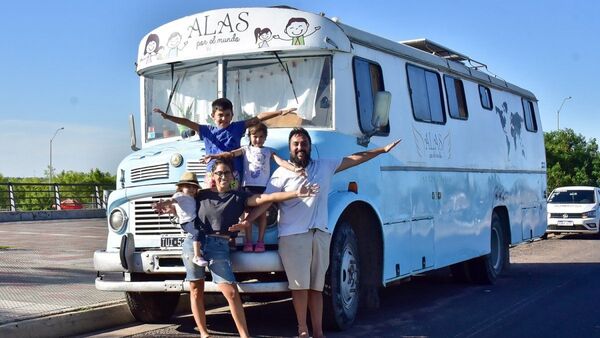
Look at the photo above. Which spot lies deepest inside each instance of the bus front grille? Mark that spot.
(150, 172)
(148, 222)
(197, 167)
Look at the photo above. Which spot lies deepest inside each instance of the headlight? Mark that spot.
(176, 160)
(589, 214)
(117, 219)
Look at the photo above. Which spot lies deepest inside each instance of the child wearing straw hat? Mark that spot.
(184, 203)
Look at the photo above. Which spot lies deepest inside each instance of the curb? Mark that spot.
(89, 319)
(70, 323)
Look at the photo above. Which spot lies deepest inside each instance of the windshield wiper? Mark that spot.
(287, 71)
(174, 87)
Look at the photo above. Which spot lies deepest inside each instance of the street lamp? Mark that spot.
(52, 139)
(558, 112)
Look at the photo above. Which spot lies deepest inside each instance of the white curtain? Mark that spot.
(267, 87)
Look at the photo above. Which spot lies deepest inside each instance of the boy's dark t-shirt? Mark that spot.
(218, 211)
(219, 140)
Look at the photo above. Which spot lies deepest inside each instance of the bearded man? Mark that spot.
(304, 237)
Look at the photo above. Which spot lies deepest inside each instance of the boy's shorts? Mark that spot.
(216, 252)
(305, 258)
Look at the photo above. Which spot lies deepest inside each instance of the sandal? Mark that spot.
(248, 247)
(259, 247)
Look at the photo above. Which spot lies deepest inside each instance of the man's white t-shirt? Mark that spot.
(185, 207)
(257, 166)
(298, 215)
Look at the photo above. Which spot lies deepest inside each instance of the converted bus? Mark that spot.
(467, 181)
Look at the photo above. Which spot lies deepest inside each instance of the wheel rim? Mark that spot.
(348, 277)
(495, 255)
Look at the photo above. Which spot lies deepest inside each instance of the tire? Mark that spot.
(152, 307)
(486, 269)
(342, 282)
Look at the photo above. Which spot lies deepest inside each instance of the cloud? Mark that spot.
(26, 147)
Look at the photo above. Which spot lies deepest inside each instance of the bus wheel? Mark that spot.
(486, 269)
(152, 307)
(342, 282)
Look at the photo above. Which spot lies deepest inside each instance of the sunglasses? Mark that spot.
(222, 173)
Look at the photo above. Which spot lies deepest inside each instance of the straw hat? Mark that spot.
(189, 178)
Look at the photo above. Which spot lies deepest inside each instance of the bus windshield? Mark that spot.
(572, 197)
(270, 84)
(253, 86)
(187, 92)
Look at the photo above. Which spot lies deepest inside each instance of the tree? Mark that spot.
(571, 159)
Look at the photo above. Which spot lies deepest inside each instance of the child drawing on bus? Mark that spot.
(297, 30)
(152, 48)
(257, 171)
(173, 44)
(225, 135)
(184, 203)
(264, 35)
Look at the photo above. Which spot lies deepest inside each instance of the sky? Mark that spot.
(70, 63)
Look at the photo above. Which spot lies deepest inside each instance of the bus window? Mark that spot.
(455, 95)
(529, 112)
(258, 85)
(196, 89)
(368, 80)
(425, 94)
(486, 97)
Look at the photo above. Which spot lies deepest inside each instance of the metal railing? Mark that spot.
(52, 196)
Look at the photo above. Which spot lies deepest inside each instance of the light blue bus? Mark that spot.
(467, 182)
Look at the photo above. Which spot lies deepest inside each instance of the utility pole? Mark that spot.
(558, 112)
(51, 169)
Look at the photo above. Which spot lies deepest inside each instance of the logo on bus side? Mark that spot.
(432, 145)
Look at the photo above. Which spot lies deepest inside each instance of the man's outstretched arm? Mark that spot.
(363, 156)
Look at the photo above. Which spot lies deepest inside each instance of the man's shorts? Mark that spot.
(216, 252)
(305, 258)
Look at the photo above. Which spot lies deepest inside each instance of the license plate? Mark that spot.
(564, 223)
(173, 241)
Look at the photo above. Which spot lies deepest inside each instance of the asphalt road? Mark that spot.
(550, 290)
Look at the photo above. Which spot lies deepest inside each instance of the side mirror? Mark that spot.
(380, 118)
(132, 133)
(381, 109)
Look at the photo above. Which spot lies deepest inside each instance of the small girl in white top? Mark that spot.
(184, 203)
(257, 171)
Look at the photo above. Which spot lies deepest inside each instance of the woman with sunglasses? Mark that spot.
(219, 210)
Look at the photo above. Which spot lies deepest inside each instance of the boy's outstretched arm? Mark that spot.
(363, 156)
(268, 115)
(225, 155)
(179, 120)
(285, 164)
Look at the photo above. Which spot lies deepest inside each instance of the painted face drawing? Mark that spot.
(297, 29)
(152, 47)
(175, 45)
(264, 35)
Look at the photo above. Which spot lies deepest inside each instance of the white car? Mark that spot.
(574, 210)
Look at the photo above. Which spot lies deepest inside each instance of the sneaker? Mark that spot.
(247, 247)
(200, 261)
(260, 247)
